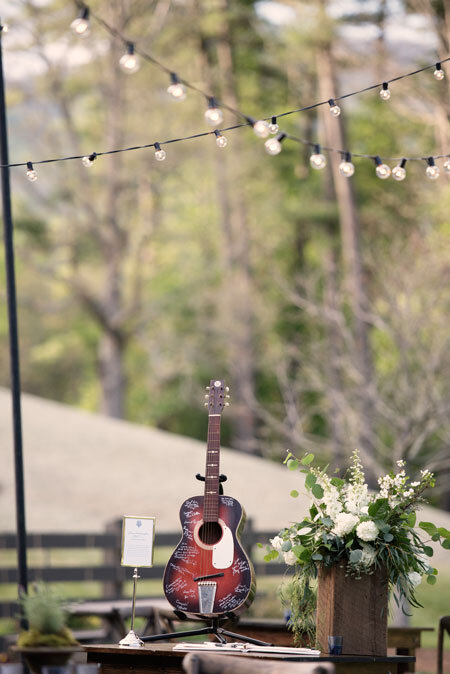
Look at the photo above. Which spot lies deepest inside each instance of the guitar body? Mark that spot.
(209, 573)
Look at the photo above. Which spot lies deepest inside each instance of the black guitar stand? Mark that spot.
(214, 628)
(219, 632)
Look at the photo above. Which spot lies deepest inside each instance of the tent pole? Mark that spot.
(13, 341)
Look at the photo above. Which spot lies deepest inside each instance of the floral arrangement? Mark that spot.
(348, 524)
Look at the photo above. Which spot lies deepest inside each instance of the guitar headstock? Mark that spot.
(217, 396)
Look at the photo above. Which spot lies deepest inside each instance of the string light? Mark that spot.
(4, 28)
(221, 141)
(439, 73)
(346, 167)
(273, 145)
(260, 127)
(446, 166)
(382, 170)
(129, 62)
(213, 114)
(160, 155)
(385, 94)
(432, 170)
(273, 126)
(31, 173)
(317, 160)
(80, 25)
(89, 159)
(399, 171)
(334, 109)
(176, 89)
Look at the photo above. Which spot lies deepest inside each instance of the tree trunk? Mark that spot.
(236, 306)
(351, 253)
(111, 372)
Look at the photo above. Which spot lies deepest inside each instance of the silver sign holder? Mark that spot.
(138, 535)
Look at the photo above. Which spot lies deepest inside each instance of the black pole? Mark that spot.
(13, 341)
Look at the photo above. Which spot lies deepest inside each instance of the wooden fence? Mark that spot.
(109, 572)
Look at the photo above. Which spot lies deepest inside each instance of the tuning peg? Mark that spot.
(227, 396)
(206, 396)
(207, 388)
(227, 404)
(227, 388)
(205, 404)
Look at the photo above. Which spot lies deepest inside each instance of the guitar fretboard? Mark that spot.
(211, 500)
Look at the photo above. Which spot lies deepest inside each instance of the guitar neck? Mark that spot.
(211, 499)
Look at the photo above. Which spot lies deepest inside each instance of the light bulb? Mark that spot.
(213, 114)
(221, 141)
(176, 89)
(160, 155)
(31, 173)
(273, 126)
(346, 168)
(317, 160)
(334, 109)
(261, 128)
(439, 73)
(80, 25)
(129, 62)
(89, 160)
(446, 166)
(273, 146)
(383, 171)
(385, 94)
(399, 171)
(432, 171)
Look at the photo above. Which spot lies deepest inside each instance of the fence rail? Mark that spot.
(108, 572)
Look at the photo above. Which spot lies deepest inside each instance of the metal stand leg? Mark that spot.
(219, 632)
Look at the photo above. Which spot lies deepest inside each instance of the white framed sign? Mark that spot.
(138, 536)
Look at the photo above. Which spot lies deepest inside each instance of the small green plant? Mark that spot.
(47, 619)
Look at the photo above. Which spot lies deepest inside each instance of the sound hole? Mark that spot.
(210, 533)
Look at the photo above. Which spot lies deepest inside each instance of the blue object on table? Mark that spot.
(335, 645)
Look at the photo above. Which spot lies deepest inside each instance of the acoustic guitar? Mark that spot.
(209, 574)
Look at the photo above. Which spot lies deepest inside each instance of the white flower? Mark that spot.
(368, 555)
(415, 484)
(290, 557)
(400, 463)
(367, 531)
(415, 578)
(276, 542)
(344, 523)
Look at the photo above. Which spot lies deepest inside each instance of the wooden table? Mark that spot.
(158, 613)
(405, 640)
(162, 659)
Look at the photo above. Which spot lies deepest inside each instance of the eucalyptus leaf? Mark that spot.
(292, 464)
(294, 493)
(431, 580)
(317, 491)
(355, 556)
(309, 458)
(317, 556)
(310, 480)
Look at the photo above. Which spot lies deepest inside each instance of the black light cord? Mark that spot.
(151, 59)
(288, 136)
(249, 121)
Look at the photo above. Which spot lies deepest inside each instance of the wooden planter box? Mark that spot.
(355, 609)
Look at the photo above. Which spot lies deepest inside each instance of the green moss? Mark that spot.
(32, 638)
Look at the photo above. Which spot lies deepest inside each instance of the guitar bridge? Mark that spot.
(206, 595)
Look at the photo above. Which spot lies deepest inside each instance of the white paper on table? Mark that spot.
(242, 648)
(138, 535)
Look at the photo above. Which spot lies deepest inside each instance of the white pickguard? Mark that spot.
(223, 551)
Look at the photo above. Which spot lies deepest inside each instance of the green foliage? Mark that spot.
(363, 531)
(46, 617)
